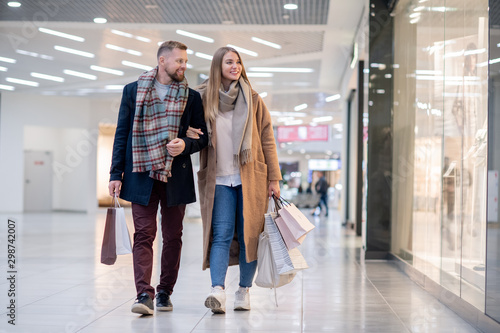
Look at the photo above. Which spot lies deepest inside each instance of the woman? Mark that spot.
(239, 171)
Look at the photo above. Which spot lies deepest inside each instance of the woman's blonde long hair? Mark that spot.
(211, 98)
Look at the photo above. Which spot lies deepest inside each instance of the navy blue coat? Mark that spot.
(137, 186)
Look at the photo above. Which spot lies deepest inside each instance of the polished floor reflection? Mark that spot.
(62, 287)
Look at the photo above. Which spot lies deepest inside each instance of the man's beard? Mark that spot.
(175, 76)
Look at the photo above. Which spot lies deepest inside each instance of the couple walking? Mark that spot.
(162, 122)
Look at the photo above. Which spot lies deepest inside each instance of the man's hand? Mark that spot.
(274, 187)
(176, 146)
(114, 187)
(193, 133)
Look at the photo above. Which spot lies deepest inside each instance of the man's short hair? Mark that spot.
(169, 46)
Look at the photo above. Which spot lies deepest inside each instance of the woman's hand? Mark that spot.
(193, 133)
(274, 187)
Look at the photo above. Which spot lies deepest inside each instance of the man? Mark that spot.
(151, 165)
(321, 188)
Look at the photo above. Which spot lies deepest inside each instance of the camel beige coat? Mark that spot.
(255, 177)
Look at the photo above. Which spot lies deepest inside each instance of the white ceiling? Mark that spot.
(318, 35)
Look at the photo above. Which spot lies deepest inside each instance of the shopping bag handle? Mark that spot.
(115, 201)
(281, 201)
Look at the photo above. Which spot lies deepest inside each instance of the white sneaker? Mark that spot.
(242, 299)
(216, 300)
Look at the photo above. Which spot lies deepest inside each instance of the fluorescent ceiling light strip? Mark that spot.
(122, 49)
(106, 70)
(189, 66)
(287, 114)
(242, 50)
(6, 87)
(143, 39)
(35, 55)
(332, 98)
(9, 60)
(136, 65)
(263, 94)
(121, 33)
(260, 74)
(3, 69)
(28, 53)
(195, 36)
(300, 107)
(24, 82)
(265, 42)
(322, 119)
(61, 34)
(478, 51)
(73, 51)
(47, 77)
(281, 69)
(294, 122)
(80, 74)
(203, 55)
(114, 87)
(14, 4)
(290, 6)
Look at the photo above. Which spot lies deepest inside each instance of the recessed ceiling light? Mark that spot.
(9, 60)
(61, 34)
(47, 77)
(80, 74)
(290, 6)
(203, 55)
(13, 4)
(24, 82)
(265, 42)
(136, 65)
(242, 50)
(6, 87)
(106, 70)
(73, 51)
(195, 36)
(100, 20)
(122, 49)
(281, 69)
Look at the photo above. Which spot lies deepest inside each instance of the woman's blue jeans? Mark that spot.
(226, 216)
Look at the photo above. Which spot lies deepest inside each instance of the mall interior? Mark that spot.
(394, 100)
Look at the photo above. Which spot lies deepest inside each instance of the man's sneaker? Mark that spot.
(163, 302)
(242, 299)
(143, 305)
(216, 300)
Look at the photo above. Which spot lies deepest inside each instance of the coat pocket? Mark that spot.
(260, 167)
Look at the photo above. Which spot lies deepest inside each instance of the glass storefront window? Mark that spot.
(440, 142)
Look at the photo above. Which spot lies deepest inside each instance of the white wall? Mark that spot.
(73, 122)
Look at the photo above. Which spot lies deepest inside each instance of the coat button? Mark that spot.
(184, 165)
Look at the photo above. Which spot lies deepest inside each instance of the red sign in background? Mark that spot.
(302, 133)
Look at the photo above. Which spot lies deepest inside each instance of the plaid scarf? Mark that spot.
(156, 123)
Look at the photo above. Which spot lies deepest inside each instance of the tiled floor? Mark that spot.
(62, 287)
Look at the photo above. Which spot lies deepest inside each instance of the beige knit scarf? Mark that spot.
(238, 99)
